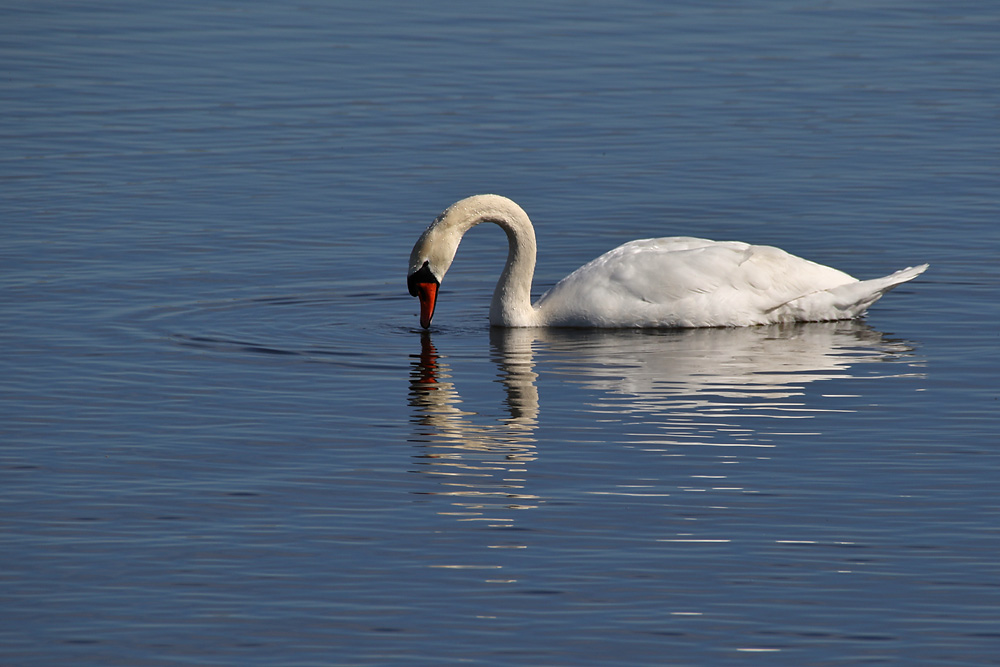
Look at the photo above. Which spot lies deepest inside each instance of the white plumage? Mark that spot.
(664, 282)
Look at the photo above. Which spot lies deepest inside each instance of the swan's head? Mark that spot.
(435, 249)
(430, 259)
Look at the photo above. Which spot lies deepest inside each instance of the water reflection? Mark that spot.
(713, 386)
(672, 390)
(481, 465)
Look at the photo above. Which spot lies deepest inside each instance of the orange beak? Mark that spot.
(427, 293)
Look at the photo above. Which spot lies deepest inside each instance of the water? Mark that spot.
(224, 440)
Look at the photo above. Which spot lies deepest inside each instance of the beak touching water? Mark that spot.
(424, 285)
(428, 298)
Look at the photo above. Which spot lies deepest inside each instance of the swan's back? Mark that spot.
(692, 282)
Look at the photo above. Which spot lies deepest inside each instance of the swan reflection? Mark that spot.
(672, 390)
(481, 465)
(718, 369)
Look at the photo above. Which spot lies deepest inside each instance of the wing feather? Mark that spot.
(684, 281)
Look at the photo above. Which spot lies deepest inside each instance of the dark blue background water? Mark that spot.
(224, 441)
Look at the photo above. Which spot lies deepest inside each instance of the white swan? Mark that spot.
(661, 283)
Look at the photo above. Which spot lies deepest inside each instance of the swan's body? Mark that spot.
(652, 283)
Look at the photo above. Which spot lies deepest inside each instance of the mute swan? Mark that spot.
(664, 283)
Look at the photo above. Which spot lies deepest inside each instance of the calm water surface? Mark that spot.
(225, 441)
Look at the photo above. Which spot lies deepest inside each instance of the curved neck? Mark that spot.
(511, 305)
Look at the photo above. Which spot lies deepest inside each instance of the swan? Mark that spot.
(650, 283)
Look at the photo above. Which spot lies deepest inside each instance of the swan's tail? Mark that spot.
(883, 285)
(850, 300)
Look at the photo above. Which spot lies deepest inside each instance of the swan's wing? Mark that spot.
(681, 281)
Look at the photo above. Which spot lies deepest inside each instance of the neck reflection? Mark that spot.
(481, 465)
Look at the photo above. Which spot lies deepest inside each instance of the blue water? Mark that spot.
(224, 440)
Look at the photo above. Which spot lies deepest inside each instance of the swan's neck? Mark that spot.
(511, 305)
